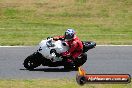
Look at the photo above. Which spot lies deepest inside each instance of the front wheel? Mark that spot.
(31, 62)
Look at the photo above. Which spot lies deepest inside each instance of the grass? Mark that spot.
(26, 22)
(55, 83)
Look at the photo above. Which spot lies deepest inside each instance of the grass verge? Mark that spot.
(26, 22)
(55, 83)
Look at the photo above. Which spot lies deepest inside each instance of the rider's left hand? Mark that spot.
(55, 38)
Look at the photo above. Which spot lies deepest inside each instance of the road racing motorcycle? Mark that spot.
(49, 54)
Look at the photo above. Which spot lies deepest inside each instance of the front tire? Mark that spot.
(31, 62)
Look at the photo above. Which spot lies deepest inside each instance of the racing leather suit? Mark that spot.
(76, 47)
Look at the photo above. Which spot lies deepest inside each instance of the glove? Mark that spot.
(65, 54)
(55, 38)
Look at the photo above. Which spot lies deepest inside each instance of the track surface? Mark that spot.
(102, 59)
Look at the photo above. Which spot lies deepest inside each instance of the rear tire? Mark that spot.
(84, 58)
(80, 61)
(71, 66)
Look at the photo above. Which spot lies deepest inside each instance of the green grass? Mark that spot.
(103, 21)
(55, 83)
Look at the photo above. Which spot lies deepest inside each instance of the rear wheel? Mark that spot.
(31, 62)
(82, 60)
(75, 68)
(70, 66)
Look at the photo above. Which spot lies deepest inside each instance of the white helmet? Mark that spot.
(69, 34)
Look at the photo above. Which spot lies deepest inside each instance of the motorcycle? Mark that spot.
(49, 54)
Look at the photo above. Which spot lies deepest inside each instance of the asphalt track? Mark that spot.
(101, 60)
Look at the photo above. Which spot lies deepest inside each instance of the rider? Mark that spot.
(74, 43)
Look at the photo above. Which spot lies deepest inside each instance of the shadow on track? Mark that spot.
(50, 69)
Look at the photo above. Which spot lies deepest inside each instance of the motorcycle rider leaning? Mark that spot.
(74, 43)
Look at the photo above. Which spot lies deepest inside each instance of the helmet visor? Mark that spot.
(69, 36)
